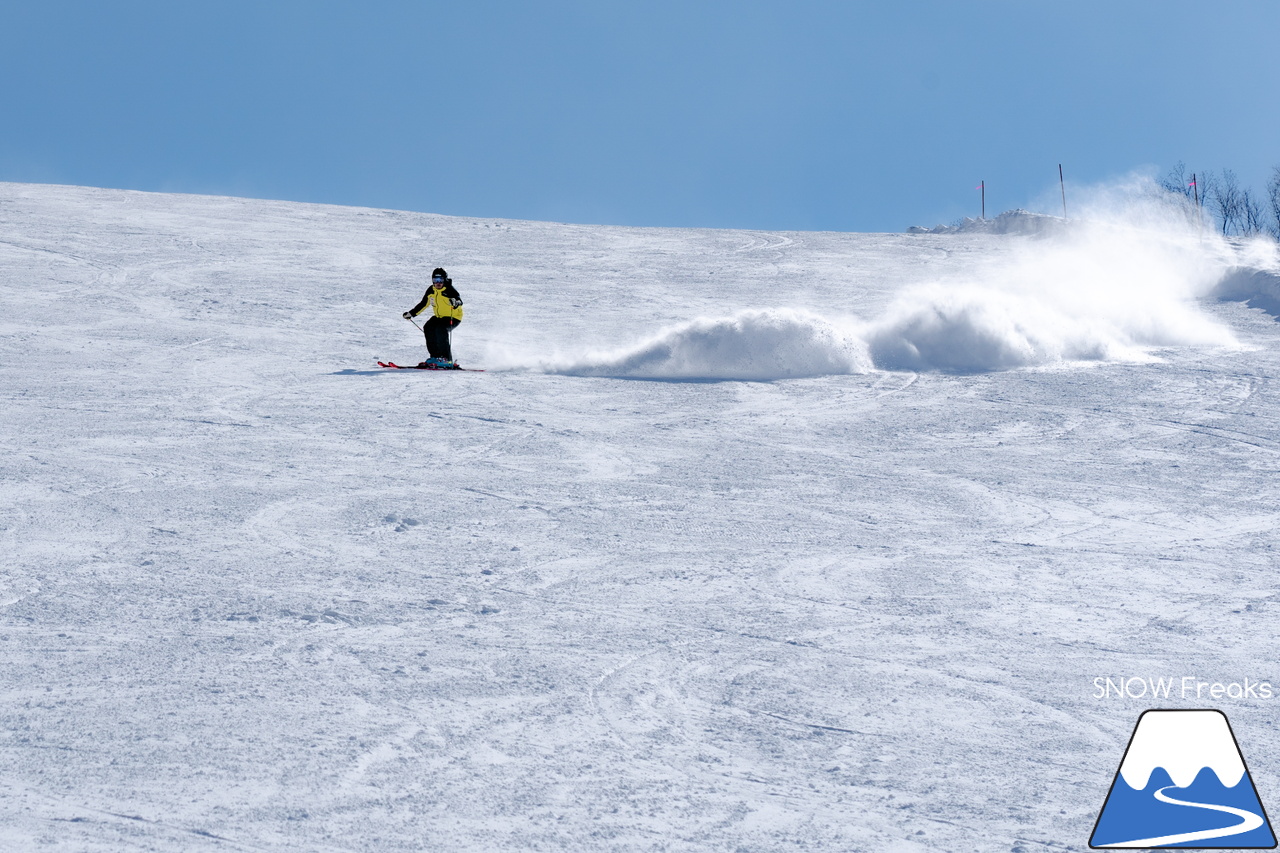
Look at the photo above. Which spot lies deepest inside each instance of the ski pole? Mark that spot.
(420, 329)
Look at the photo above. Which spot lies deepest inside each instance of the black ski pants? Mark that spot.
(438, 331)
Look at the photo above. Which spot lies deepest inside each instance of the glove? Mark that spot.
(406, 315)
(455, 302)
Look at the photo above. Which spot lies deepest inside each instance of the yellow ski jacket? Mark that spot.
(443, 303)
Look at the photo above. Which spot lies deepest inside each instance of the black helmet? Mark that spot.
(439, 272)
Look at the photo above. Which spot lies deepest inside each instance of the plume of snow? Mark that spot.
(751, 345)
(1121, 282)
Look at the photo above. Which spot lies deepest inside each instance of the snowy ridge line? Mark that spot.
(1017, 221)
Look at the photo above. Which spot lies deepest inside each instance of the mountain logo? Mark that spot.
(1183, 783)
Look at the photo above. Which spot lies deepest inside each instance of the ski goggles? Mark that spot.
(437, 281)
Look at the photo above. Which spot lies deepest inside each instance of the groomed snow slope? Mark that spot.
(259, 595)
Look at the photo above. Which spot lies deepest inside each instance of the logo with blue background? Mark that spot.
(1183, 783)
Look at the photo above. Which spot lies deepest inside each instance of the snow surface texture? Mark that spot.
(259, 595)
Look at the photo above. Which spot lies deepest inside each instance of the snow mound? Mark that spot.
(759, 345)
(1259, 288)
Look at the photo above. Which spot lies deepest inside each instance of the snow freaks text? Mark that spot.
(1185, 687)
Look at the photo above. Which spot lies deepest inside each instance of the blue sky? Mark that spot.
(774, 115)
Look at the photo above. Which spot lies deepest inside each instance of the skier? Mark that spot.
(446, 312)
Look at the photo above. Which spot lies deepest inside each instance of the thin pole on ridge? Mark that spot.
(983, 186)
(1195, 188)
(1063, 186)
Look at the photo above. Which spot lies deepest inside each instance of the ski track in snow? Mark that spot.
(260, 596)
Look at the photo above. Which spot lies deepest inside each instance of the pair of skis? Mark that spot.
(427, 366)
